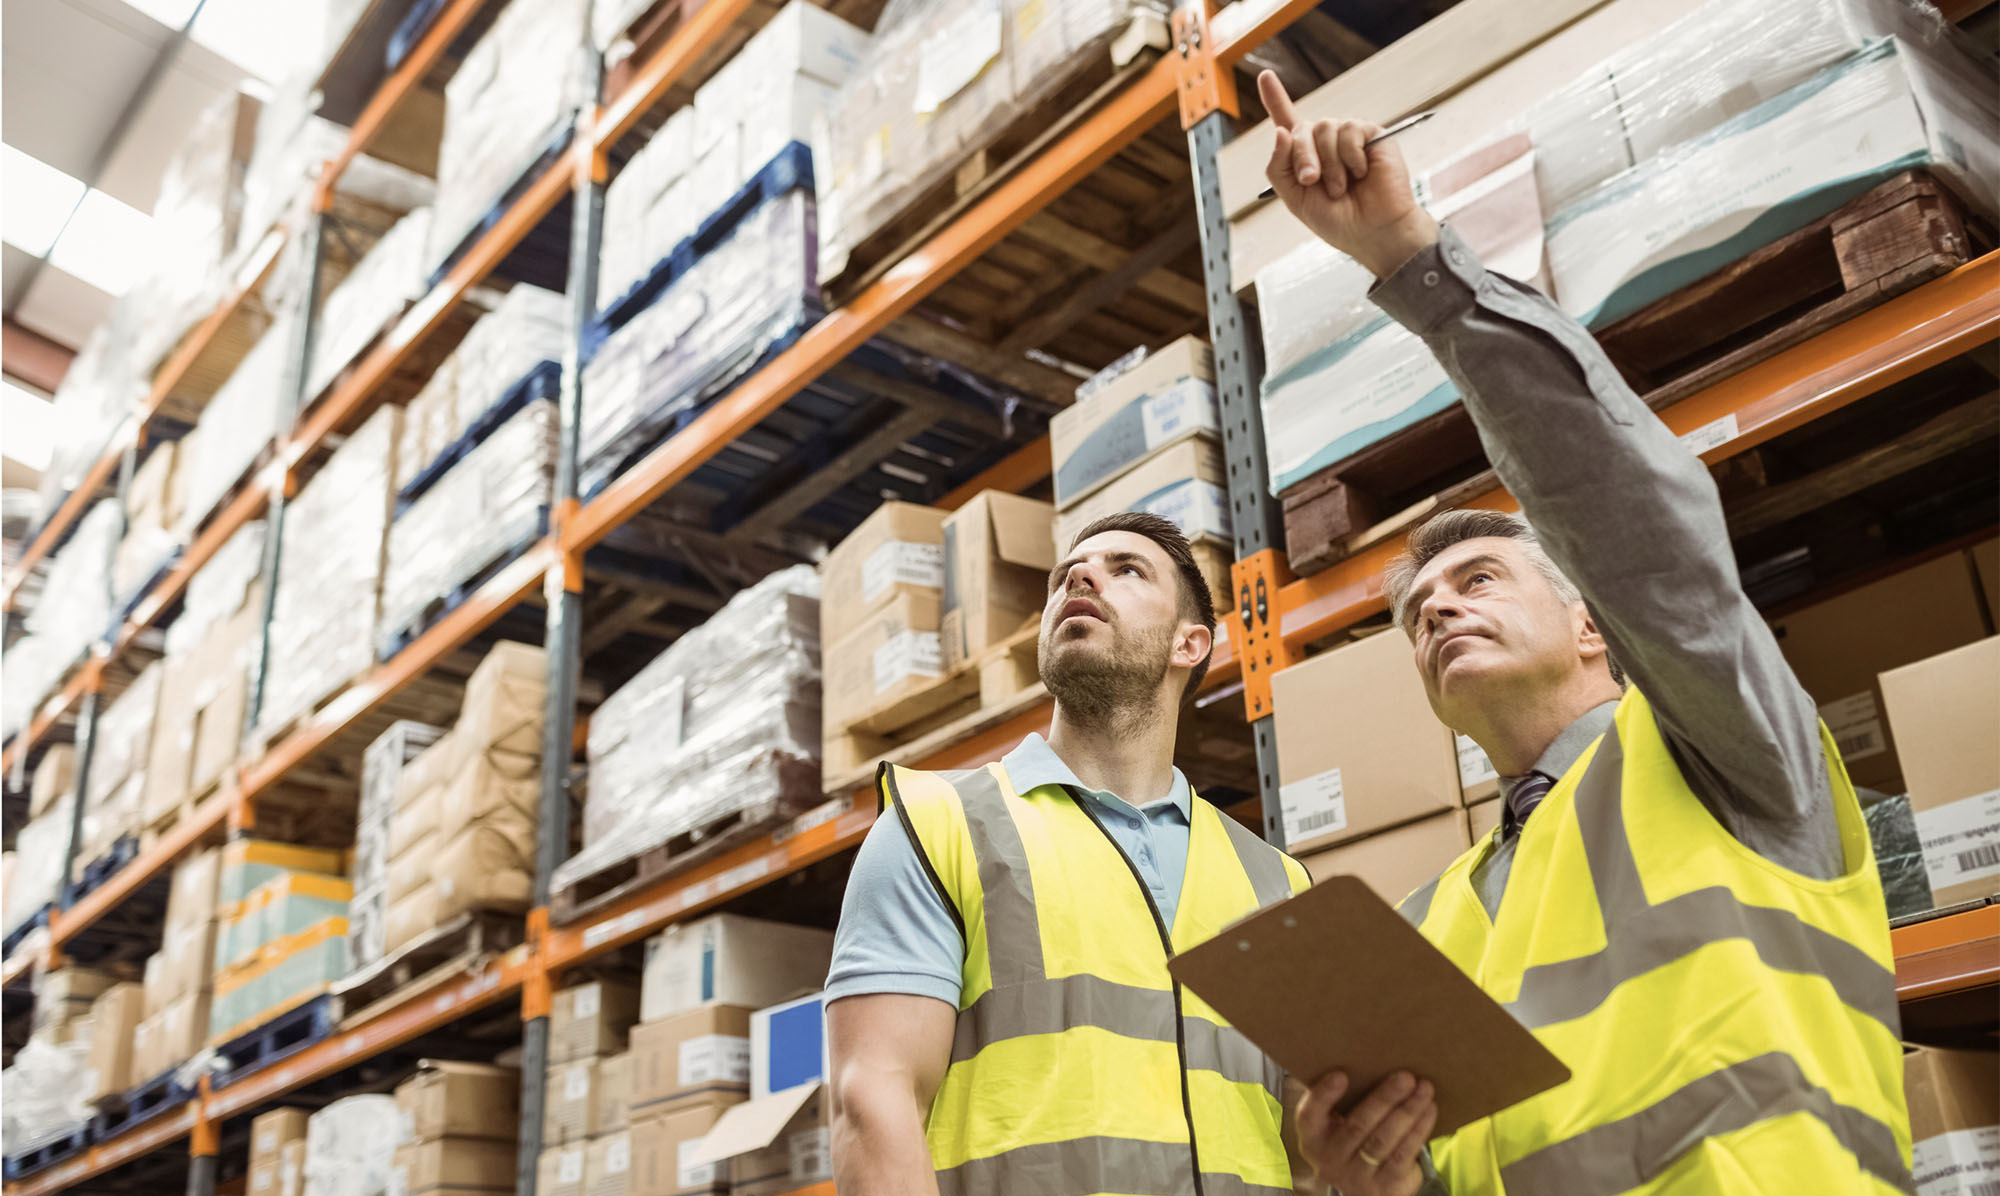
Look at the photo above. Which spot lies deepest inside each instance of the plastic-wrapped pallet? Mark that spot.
(750, 293)
(38, 857)
(528, 326)
(43, 1093)
(118, 766)
(351, 1147)
(646, 208)
(521, 83)
(243, 416)
(724, 722)
(382, 768)
(33, 669)
(478, 513)
(151, 515)
(276, 949)
(74, 610)
(103, 386)
(329, 581)
(394, 273)
(942, 80)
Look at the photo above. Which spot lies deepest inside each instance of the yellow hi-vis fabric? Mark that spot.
(1079, 1067)
(1730, 1025)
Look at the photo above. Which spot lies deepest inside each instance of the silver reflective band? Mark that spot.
(1417, 906)
(1013, 927)
(1261, 862)
(1623, 1154)
(1082, 1165)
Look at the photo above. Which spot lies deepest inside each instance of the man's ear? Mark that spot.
(1192, 645)
(1590, 645)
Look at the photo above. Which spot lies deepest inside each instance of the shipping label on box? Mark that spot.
(905, 655)
(1313, 806)
(1477, 779)
(901, 562)
(733, 960)
(713, 1058)
(1165, 397)
(1961, 840)
(687, 1053)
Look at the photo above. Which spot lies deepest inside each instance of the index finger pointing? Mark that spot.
(1277, 101)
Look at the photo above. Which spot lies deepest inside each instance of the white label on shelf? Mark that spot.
(576, 1082)
(812, 1155)
(569, 1169)
(901, 562)
(715, 1057)
(1713, 434)
(673, 711)
(1961, 839)
(953, 57)
(585, 1002)
(618, 1156)
(1189, 403)
(1473, 766)
(1856, 725)
(692, 1176)
(1959, 1163)
(908, 654)
(1313, 806)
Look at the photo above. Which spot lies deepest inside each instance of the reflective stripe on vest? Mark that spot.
(1722, 1036)
(1040, 1006)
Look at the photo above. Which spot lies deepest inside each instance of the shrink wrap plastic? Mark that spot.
(104, 385)
(43, 1092)
(118, 766)
(32, 669)
(351, 1147)
(394, 273)
(725, 721)
(529, 325)
(38, 856)
(74, 609)
(249, 409)
(217, 589)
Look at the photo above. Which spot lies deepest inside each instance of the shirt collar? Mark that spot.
(1568, 747)
(1034, 764)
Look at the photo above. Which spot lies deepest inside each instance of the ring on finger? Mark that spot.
(1367, 1158)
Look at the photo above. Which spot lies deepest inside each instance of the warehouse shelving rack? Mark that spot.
(1275, 618)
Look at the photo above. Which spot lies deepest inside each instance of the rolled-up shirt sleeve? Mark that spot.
(896, 934)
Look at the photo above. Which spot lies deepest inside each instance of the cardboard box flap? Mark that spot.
(752, 1125)
(1021, 531)
(1334, 977)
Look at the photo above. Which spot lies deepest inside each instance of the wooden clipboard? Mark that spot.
(1335, 978)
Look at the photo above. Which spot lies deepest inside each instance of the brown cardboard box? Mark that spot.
(897, 550)
(271, 1133)
(689, 1055)
(183, 1029)
(147, 1061)
(218, 701)
(607, 1165)
(461, 1100)
(54, 776)
(773, 1145)
(614, 1093)
(1166, 398)
(410, 917)
(1186, 483)
(1986, 564)
(501, 790)
(1839, 647)
(454, 1164)
(184, 965)
(1358, 747)
(998, 551)
(1941, 712)
(560, 1170)
(292, 1169)
(72, 982)
(730, 959)
(197, 879)
(1483, 818)
(574, 1102)
(1953, 1097)
(881, 673)
(431, 768)
(662, 1140)
(485, 867)
(114, 1018)
(1396, 862)
(503, 702)
(587, 1020)
(412, 868)
(417, 817)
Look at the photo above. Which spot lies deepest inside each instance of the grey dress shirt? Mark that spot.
(1633, 518)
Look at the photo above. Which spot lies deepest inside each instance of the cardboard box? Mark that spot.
(272, 1132)
(729, 959)
(504, 702)
(114, 1019)
(898, 550)
(1358, 747)
(607, 1165)
(191, 900)
(1483, 818)
(248, 864)
(184, 965)
(1477, 779)
(560, 1170)
(460, 1100)
(1941, 712)
(689, 1055)
(1954, 1119)
(410, 917)
(880, 675)
(664, 1145)
(788, 1046)
(1186, 483)
(454, 1164)
(571, 1106)
(1986, 565)
(72, 982)
(777, 1144)
(292, 1169)
(997, 556)
(614, 1093)
(1166, 398)
(183, 1029)
(1839, 647)
(587, 1020)
(1396, 862)
(54, 776)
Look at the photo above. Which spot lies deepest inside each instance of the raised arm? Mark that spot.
(1627, 512)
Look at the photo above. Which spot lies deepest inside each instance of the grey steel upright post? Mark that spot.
(564, 638)
(202, 1170)
(1255, 517)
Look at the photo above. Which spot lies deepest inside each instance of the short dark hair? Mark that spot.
(1197, 600)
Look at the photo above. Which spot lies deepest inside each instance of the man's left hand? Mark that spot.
(1371, 1151)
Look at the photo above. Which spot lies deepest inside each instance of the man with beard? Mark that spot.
(999, 1007)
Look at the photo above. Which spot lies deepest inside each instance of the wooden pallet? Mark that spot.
(1004, 678)
(1090, 82)
(460, 946)
(1899, 235)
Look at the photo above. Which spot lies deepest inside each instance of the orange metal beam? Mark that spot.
(1847, 362)
(1949, 954)
(401, 83)
(246, 506)
(354, 389)
(162, 1130)
(1018, 472)
(650, 83)
(71, 509)
(88, 676)
(197, 342)
(196, 824)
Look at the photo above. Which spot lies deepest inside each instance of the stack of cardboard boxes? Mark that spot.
(1940, 712)
(114, 1023)
(280, 932)
(65, 1000)
(1954, 1119)
(277, 1153)
(779, 1140)
(180, 978)
(460, 1128)
(152, 512)
(113, 799)
(1147, 436)
(586, 1144)
(1371, 784)
(691, 1051)
(462, 837)
(382, 769)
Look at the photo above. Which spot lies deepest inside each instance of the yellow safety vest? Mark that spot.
(1079, 1066)
(1730, 1025)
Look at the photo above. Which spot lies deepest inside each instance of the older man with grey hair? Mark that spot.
(1680, 900)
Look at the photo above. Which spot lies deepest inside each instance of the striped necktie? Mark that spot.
(1522, 799)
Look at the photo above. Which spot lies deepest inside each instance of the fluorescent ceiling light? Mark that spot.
(108, 244)
(37, 199)
(27, 426)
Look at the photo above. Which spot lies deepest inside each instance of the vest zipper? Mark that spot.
(1166, 943)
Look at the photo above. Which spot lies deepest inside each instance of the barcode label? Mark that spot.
(908, 654)
(1313, 822)
(1313, 806)
(1711, 435)
(1978, 857)
(1958, 1163)
(1855, 722)
(1961, 840)
(1473, 766)
(901, 562)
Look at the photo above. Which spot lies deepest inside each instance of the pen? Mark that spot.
(1409, 122)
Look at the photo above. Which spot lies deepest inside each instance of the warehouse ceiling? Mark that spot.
(69, 73)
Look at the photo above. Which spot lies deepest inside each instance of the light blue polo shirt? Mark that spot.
(896, 933)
